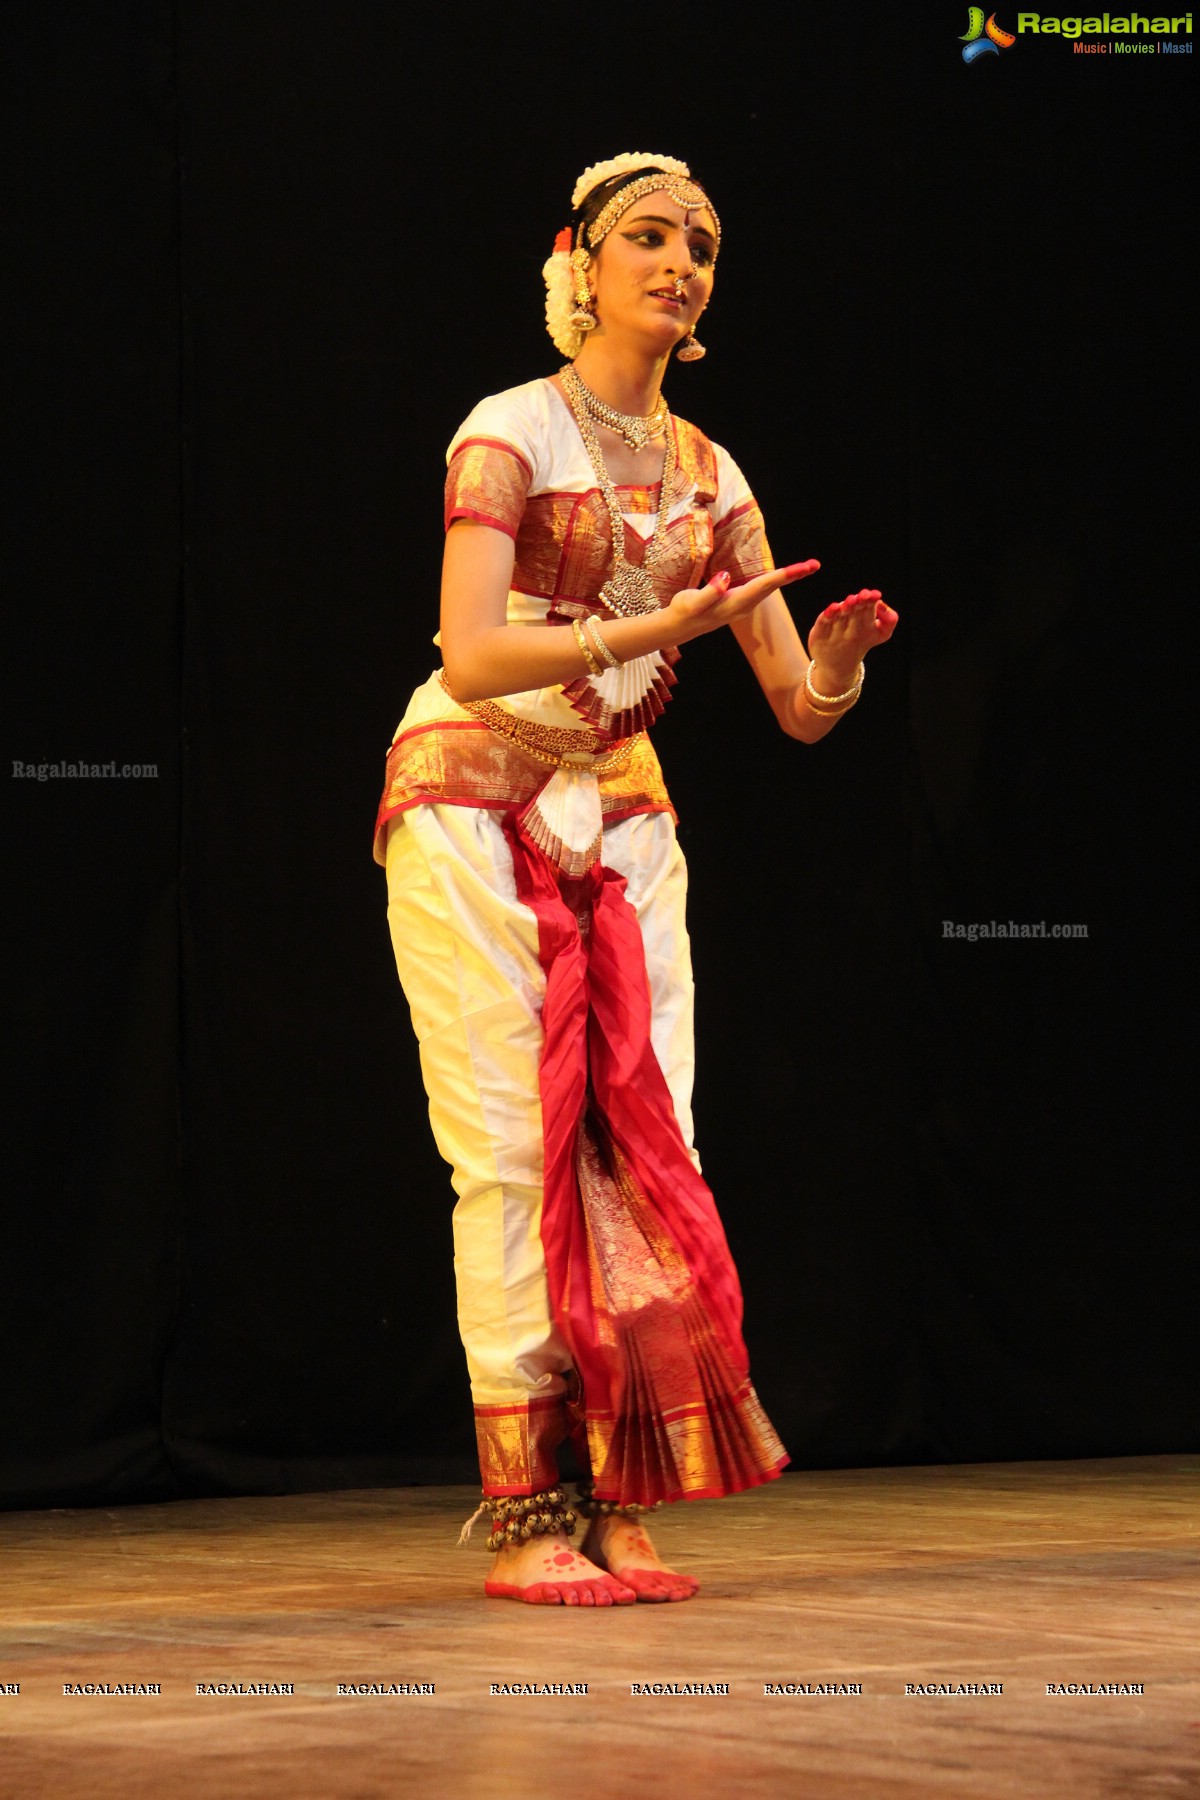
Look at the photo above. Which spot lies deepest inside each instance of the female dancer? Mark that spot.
(536, 902)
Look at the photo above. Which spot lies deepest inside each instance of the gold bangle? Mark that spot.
(830, 712)
(831, 704)
(591, 626)
(851, 692)
(593, 666)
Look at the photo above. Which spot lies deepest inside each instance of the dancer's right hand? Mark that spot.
(700, 610)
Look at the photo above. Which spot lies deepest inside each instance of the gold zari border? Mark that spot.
(517, 1444)
(693, 1438)
(554, 744)
(463, 762)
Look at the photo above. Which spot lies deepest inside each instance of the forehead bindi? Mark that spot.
(660, 209)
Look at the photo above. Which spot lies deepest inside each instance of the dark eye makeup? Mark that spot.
(652, 238)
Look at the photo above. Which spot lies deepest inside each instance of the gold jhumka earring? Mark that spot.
(690, 348)
(583, 318)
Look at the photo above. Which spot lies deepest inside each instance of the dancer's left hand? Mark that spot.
(844, 632)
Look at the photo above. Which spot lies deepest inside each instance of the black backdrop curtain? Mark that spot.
(261, 261)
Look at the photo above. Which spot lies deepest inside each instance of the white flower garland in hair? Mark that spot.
(560, 297)
(624, 165)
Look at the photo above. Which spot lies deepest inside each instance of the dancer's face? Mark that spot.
(653, 274)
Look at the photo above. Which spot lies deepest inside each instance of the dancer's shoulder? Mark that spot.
(518, 417)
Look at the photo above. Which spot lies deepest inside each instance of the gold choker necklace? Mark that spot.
(633, 427)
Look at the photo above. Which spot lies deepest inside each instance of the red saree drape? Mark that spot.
(642, 1285)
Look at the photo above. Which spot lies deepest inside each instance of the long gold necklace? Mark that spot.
(629, 589)
(636, 428)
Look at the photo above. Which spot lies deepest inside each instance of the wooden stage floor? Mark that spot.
(1025, 1576)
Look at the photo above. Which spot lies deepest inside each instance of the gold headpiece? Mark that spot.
(683, 191)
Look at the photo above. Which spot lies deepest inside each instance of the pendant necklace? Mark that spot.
(629, 589)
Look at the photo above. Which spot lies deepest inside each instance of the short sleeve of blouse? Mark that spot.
(739, 535)
(491, 461)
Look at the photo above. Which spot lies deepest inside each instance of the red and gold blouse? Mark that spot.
(518, 464)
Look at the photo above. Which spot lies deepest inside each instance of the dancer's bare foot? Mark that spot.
(623, 1547)
(547, 1571)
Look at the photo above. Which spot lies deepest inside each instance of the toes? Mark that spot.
(603, 1591)
(537, 1595)
(642, 1582)
(660, 1585)
(648, 1584)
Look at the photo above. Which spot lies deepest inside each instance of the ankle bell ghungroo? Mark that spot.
(590, 1508)
(518, 1517)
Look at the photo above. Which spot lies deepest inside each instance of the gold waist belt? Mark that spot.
(555, 745)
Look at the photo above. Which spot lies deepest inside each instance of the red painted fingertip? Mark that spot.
(720, 579)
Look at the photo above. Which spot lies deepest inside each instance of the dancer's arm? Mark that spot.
(485, 657)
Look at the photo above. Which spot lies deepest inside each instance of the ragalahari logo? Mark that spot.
(982, 39)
